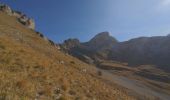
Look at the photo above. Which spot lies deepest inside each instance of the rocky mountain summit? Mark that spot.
(91, 51)
(22, 18)
(101, 41)
(138, 51)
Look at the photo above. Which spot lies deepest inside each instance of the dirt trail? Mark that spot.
(134, 85)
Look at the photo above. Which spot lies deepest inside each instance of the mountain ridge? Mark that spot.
(22, 18)
(98, 44)
(137, 51)
(32, 67)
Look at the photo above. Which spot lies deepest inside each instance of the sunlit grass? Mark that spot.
(30, 68)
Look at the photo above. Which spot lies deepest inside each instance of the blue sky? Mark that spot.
(82, 19)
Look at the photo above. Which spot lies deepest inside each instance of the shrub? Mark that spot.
(62, 98)
(99, 73)
(72, 62)
(71, 92)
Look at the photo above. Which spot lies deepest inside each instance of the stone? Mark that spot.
(51, 42)
(61, 62)
(6, 9)
(57, 91)
(84, 70)
(17, 14)
(30, 23)
(57, 46)
(57, 94)
(22, 18)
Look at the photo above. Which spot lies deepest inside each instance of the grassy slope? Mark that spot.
(30, 68)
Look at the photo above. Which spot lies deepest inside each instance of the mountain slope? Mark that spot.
(138, 51)
(144, 50)
(91, 51)
(32, 68)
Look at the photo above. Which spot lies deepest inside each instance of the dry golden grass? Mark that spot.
(30, 69)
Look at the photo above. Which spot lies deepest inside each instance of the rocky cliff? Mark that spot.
(22, 18)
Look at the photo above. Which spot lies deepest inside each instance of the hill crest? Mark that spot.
(22, 18)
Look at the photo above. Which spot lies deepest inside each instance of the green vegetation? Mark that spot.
(72, 62)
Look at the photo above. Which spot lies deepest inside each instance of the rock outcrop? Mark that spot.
(31, 69)
(92, 51)
(6, 9)
(101, 41)
(26, 21)
(22, 18)
(70, 43)
(139, 51)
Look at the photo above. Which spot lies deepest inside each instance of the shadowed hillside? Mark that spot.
(144, 50)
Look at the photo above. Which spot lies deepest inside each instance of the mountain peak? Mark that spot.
(103, 37)
(103, 34)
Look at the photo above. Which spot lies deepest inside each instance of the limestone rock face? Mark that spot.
(92, 50)
(69, 44)
(6, 9)
(28, 22)
(22, 18)
(31, 24)
(17, 14)
(101, 41)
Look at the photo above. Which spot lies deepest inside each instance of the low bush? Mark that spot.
(99, 73)
(72, 62)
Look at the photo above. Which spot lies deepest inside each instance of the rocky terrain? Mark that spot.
(21, 17)
(144, 50)
(33, 68)
(93, 51)
(140, 64)
(138, 51)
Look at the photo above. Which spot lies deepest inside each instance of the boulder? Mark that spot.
(17, 14)
(28, 22)
(6, 9)
(31, 23)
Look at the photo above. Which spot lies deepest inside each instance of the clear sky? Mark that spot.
(82, 19)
